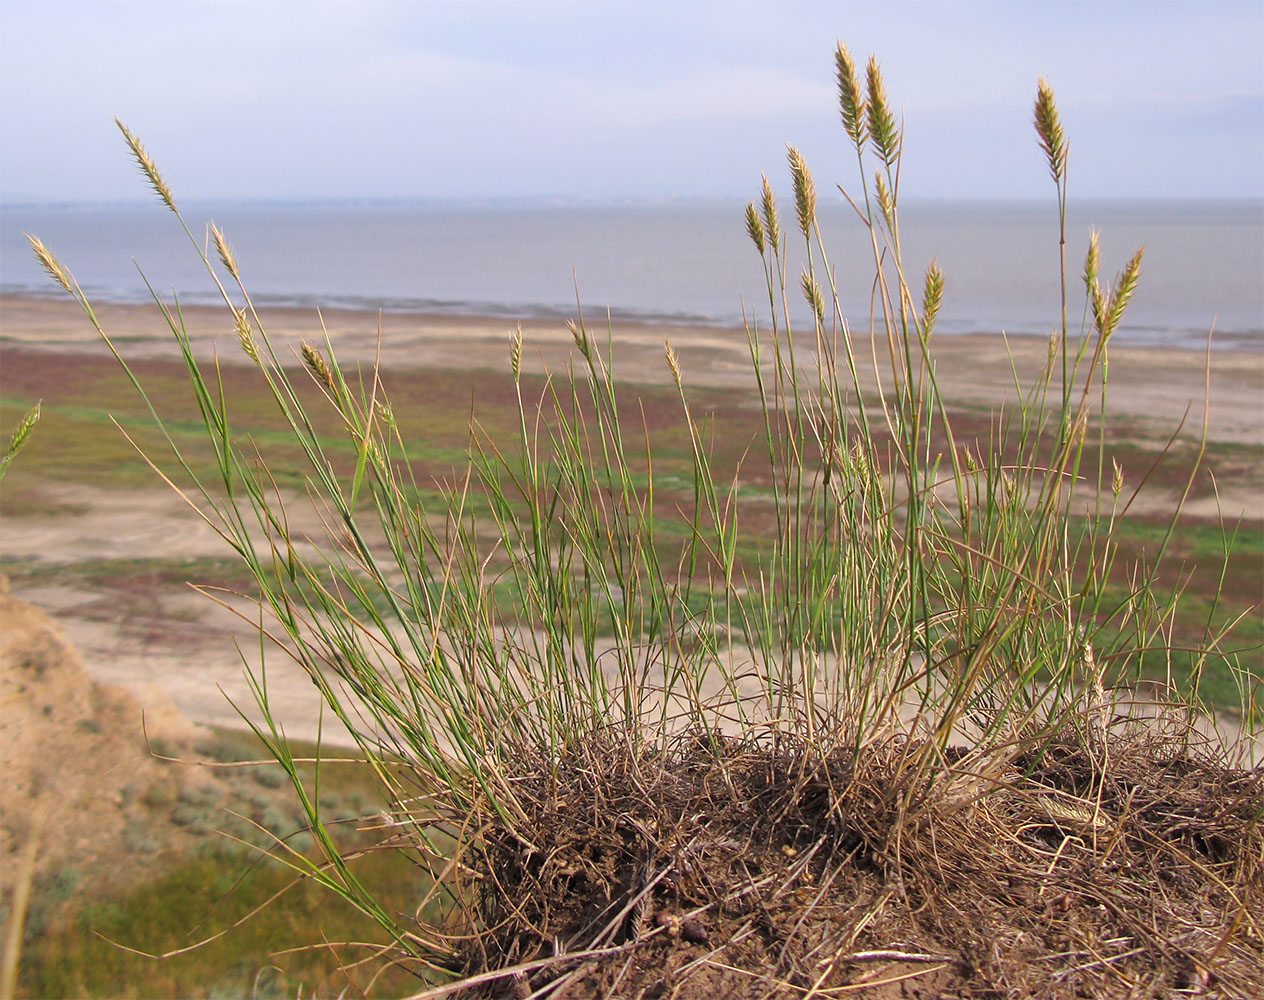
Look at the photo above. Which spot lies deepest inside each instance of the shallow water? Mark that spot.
(681, 261)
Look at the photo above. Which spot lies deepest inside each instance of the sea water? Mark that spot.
(681, 261)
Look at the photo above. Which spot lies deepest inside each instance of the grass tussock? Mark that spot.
(761, 868)
(851, 711)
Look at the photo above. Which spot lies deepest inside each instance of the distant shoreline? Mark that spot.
(1151, 384)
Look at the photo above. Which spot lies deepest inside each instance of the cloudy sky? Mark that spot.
(397, 99)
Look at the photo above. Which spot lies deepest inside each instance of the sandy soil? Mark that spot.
(185, 646)
(72, 750)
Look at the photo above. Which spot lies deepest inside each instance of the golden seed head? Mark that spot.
(850, 102)
(579, 335)
(673, 362)
(316, 365)
(515, 353)
(883, 196)
(804, 190)
(1097, 302)
(860, 465)
(1117, 480)
(1049, 129)
(245, 336)
(972, 463)
(932, 296)
(812, 292)
(883, 132)
(224, 250)
(1079, 430)
(755, 228)
(50, 263)
(1091, 259)
(769, 205)
(147, 167)
(385, 414)
(1125, 285)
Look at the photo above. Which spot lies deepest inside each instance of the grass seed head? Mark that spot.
(316, 365)
(932, 296)
(224, 250)
(1121, 294)
(804, 190)
(812, 292)
(1097, 302)
(50, 263)
(515, 353)
(673, 362)
(23, 430)
(385, 413)
(769, 205)
(755, 228)
(882, 128)
(147, 167)
(245, 336)
(1049, 129)
(1091, 259)
(885, 205)
(1117, 480)
(579, 335)
(850, 101)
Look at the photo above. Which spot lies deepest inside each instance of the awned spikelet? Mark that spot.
(579, 335)
(1049, 129)
(224, 250)
(804, 190)
(812, 293)
(1091, 259)
(147, 167)
(882, 128)
(1125, 285)
(673, 362)
(22, 432)
(850, 102)
(755, 228)
(316, 365)
(245, 336)
(515, 353)
(50, 263)
(932, 296)
(769, 204)
(883, 196)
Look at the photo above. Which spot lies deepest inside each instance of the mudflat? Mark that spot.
(137, 630)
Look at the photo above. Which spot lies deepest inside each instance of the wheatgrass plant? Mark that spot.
(917, 589)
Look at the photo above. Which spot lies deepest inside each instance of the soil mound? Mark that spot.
(74, 750)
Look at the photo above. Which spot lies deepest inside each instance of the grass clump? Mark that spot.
(735, 740)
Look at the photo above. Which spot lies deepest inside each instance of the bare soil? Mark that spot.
(73, 752)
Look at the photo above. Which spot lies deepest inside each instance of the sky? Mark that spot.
(274, 99)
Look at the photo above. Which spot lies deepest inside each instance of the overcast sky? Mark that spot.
(396, 99)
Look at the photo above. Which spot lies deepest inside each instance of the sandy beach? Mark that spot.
(182, 644)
